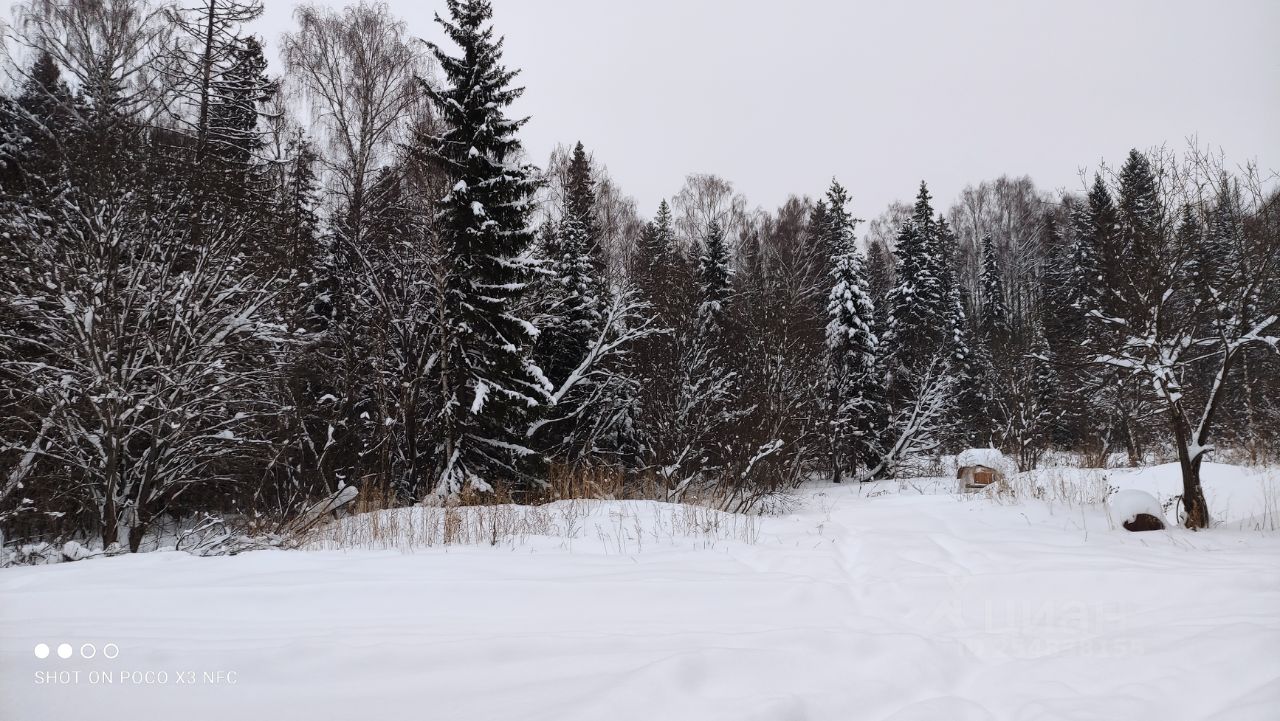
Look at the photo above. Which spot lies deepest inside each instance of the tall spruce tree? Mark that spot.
(995, 312)
(207, 66)
(852, 365)
(972, 368)
(919, 302)
(484, 375)
(1099, 240)
(38, 121)
(1061, 328)
(715, 279)
(572, 316)
(580, 206)
(235, 108)
(657, 271)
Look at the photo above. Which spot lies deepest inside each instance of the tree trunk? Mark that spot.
(837, 471)
(1193, 496)
(135, 536)
(1193, 503)
(109, 529)
(1130, 445)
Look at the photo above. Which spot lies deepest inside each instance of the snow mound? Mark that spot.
(1124, 506)
(1238, 497)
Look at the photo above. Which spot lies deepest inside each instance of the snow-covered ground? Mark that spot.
(893, 600)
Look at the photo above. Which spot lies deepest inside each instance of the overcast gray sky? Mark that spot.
(778, 96)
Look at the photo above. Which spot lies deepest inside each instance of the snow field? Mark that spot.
(893, 600)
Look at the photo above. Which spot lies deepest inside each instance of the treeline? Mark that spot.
(209, 306)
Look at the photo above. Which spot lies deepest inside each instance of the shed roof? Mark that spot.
(989, 457)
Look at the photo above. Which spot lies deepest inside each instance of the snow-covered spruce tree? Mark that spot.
(1169, 328)
(688, 427)
(663, 277)
(571, 316)
(659, 265)
(1062, 326)
(33, 127)
(919, 303)
(972, 369)
(297, 213)
(1118, 402)
(589, 416)
(715, 279)
(1084, 275)
(853, 381)
(483, 373)
(820, 227)
(580, 205)
(995, 312)
(586, 335)
(1099, 223)
(1070, 332)
(924, 326)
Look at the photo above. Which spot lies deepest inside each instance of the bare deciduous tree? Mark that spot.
(108, 47)
(357, 68)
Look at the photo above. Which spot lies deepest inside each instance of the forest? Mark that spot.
(233, 289)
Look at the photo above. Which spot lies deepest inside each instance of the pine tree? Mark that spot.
(852, 346)
(486, 380)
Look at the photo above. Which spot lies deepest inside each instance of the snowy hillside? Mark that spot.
(893, 600)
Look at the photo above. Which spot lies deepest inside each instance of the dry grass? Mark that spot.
(1057, 486)
(612, 527)
(570, 510)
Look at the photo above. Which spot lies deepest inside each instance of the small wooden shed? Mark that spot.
(978, 468)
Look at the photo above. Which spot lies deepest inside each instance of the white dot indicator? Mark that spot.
(88, 651)
(111, 650)
(64, 650)
(42, 650)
